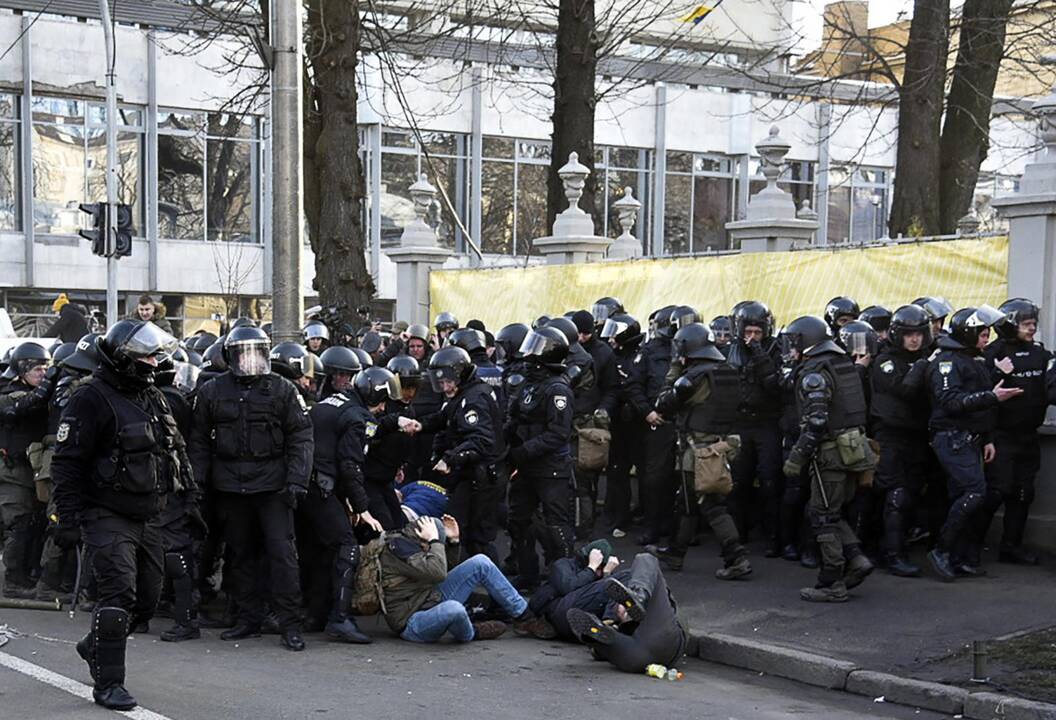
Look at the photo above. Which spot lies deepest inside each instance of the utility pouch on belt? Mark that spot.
(593, 452)
(711, 466)
(39, 454)
(854, 450)
(865, 477)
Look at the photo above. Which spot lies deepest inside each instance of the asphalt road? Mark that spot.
(508, 678)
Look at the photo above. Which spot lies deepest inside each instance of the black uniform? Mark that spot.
(595, 407)
(118, 458)
(469, 440)
(899, 411)
(389, 454)
(1010, 477)
(538, 430)
(250, 442)
(625, 451)
(657, 484)
(963, 416)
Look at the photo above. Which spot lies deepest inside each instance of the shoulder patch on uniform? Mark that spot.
(946, 367)
(63, 432)
(471, 417)
(887, 366)
(371, 429)
(637, 358)
(560, 402)
(300, 401)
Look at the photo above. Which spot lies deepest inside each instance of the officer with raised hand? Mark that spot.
(251, 443)
(964, 401)
(118, 457)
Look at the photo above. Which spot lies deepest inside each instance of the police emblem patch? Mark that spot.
(62, 433)
(471, 417)
(946, 367)
(560, 402)
(371, 429)
(888, 367)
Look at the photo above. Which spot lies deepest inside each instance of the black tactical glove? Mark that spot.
(66, 536)
(294, 494)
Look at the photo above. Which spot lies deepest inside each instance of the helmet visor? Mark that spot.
(249, 359)
(389, 388)
(601, 312)
(859, 343)
(186, 378)
(316, 330)
(613, 329)
(438, 376)
(986, 316)
(937, 307)
(535, 344)
(150, 341)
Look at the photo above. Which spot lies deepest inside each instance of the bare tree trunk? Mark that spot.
(915, 207)
(341, 275)
(966, 131)
(574, 100)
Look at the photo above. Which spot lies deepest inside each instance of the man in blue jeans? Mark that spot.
(422, 601)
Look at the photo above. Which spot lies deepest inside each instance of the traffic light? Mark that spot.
(125, 231)
(97, 235)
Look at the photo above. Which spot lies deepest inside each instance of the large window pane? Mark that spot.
(129, 175)
(677, 214)
(711, 212)
(445, 173)
(229, 192)
(9, 209)
(496, 210)
(531, 206)
(58, 177)
(181, 187)
(869, 214)
(839, 226)
(398, 173)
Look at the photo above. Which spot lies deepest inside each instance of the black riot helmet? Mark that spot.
(546, 346)
(621, 329)
(201, 342)
(127, 345)
(375, 385)
(213, 358)
(194, 358)
(967, 324)
(604, 308)
(660, 322)
(840, 307)
(810, 336)
(510, 338)
(450, 363)
(722, 329)
(468, 339)
(406, 369)
(244, 322)
(418, 332)
(695, 342)
(859, 338)
(292, 361)
(567, 328)
(1017, 310)
(540, 321)
(907, 319)
(937, 308)
(681, 316)
(246, 350)
(445, 321)
(26, 356)
(364, 357)
(340, 359)
(63, 351)
(752, 313)
(878, 317)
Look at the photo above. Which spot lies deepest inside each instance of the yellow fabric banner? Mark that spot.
(965, 272)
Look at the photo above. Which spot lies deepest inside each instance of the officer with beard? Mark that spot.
(118, 457)
(1021, 362)
(832, 446)
(538, 428)
(251, 442)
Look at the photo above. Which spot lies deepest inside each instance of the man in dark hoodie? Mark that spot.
(71, 325)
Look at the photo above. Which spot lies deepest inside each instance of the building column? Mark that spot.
(476, 167)
(152, 161)
(821, 198)
(659, 170)
(27, 149)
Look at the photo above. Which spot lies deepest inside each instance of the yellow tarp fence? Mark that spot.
(965, 272)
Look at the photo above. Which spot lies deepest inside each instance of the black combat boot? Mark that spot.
(939, 560)
(900, 566)
(110, 627)
(184, 609)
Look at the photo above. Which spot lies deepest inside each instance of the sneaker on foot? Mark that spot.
(488, 629)
(835, 593)
(739, 568)
(630, 599)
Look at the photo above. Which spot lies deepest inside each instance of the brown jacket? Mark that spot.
(410, 574)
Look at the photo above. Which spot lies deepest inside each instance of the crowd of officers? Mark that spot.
(841, 440)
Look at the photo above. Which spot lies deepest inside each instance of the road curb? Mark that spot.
(823, 671)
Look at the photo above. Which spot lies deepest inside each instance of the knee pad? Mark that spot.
(177, 565)
(349, 553)
(110, 623)
(898, 500)
(1026, 494)
(561, 538)
(972, 502)
(826, 539)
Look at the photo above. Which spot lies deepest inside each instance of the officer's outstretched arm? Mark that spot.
(948, 389)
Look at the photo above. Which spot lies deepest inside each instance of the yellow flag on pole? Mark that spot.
(699, 13)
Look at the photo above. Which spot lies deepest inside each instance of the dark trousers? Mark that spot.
(591, 598)
(658, 483)
(384, 506)
(126, 560)
(474, 503)
(659, 638)
(323, 526)
(554, 494)
(1010, 482)
(760, 457)
(901, 473)
(625, 452)
(255, 525)
(961, 456)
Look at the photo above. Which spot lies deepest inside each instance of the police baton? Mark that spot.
(821, 485)
(77, 582)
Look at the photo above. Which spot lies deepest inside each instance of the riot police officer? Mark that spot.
(468, 447)
(118, 458)
(251, 442)
(937, 309)
(538, 428)
(474, 343)
(704, 398)
(23, 421)
(964, 402)
(722, 329)
(839, 311)
(879, 318)
(899, 410)
(445, 324)
(832, 446)
(316, 336)
(1022, 362)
